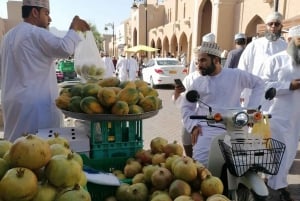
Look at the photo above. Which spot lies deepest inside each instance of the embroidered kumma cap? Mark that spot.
(38, 3)
(209, 48)
(274, 17)
(239, 36)
(294, 31)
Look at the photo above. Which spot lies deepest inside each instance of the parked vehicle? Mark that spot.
(158, 71)
(66, 66)
(59, 76)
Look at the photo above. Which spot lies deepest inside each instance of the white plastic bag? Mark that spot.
(88, 63)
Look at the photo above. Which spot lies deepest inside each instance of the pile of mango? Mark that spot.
(109, 96)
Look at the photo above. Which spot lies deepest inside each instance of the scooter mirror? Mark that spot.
(192, 96)
(270, 93)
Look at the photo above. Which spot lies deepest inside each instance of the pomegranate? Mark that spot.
(144, 156)
(161, 178)
(137, 192)
(184, 198)
(179, 187)
(4, 166)
(18, 184)
(211, 185)
(132, 167)
(122, 192)
(157, 144)
(57, 139)
(4, 147)
(173, 148)
(185, 169)
(63, 171)
(148, 171)
(29, 151)
(159, 158)
(169, 161)
(138, 178)
(76, 193)
(46, 192)
(161, 197)
(58, 149)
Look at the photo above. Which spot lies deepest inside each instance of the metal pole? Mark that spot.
(276, 5)
(146, 13)
(113, 28)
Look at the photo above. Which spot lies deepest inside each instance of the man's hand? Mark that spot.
(79, 24)
(178, 90)
(295, 84)
(197, 130)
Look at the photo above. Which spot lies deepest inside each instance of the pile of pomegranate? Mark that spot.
(35, 169)
(164, 173)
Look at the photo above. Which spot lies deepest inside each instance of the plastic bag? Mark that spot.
(87, 61)
(262, 128)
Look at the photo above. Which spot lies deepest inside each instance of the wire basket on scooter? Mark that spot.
(263, 155)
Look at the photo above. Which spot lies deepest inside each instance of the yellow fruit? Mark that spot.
(90, 89)
(90, 105)
(149, 103)
(129, 95)
(109, 82)
(120, 108)
(106, 96)
(135, 109)
(63, 101)
(211, 185)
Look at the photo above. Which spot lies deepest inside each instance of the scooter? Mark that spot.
(239, 158)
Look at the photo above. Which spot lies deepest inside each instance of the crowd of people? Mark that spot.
(250, 69)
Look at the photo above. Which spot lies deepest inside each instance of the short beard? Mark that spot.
(272, 36)
(208, 71)
(294, 52)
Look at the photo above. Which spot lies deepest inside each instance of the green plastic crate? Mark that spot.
(115, 139)
(100, 192)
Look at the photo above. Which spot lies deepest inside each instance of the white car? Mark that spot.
(159, 71)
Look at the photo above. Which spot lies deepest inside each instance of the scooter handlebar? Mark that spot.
(199, 117)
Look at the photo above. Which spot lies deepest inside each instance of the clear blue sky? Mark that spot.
(97, 12)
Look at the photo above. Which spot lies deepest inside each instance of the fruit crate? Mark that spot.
(110, 139)
(99, 192)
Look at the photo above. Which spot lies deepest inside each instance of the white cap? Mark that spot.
(209, 48)
(274, 17)
(239, 36)
(38, 3)
(294, 31)
(210, 37)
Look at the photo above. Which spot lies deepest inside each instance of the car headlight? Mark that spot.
(240, 119)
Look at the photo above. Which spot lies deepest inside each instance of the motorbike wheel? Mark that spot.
(242, 193)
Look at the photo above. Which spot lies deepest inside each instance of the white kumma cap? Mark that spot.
(210, 37)
(274, 17)
(38, 3)
(294, 31)
(208, 48)
(239, 35)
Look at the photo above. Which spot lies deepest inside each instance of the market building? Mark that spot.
(177, 26)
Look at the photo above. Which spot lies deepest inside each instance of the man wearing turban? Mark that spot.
(282, 71)
(220, 88)
(258, 50)
(28, 79)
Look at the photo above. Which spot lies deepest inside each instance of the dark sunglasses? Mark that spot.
(276, 24)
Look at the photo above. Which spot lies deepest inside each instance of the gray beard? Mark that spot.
(272, 36)
(294, 52)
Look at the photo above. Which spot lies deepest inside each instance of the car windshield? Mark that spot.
(168, 62)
